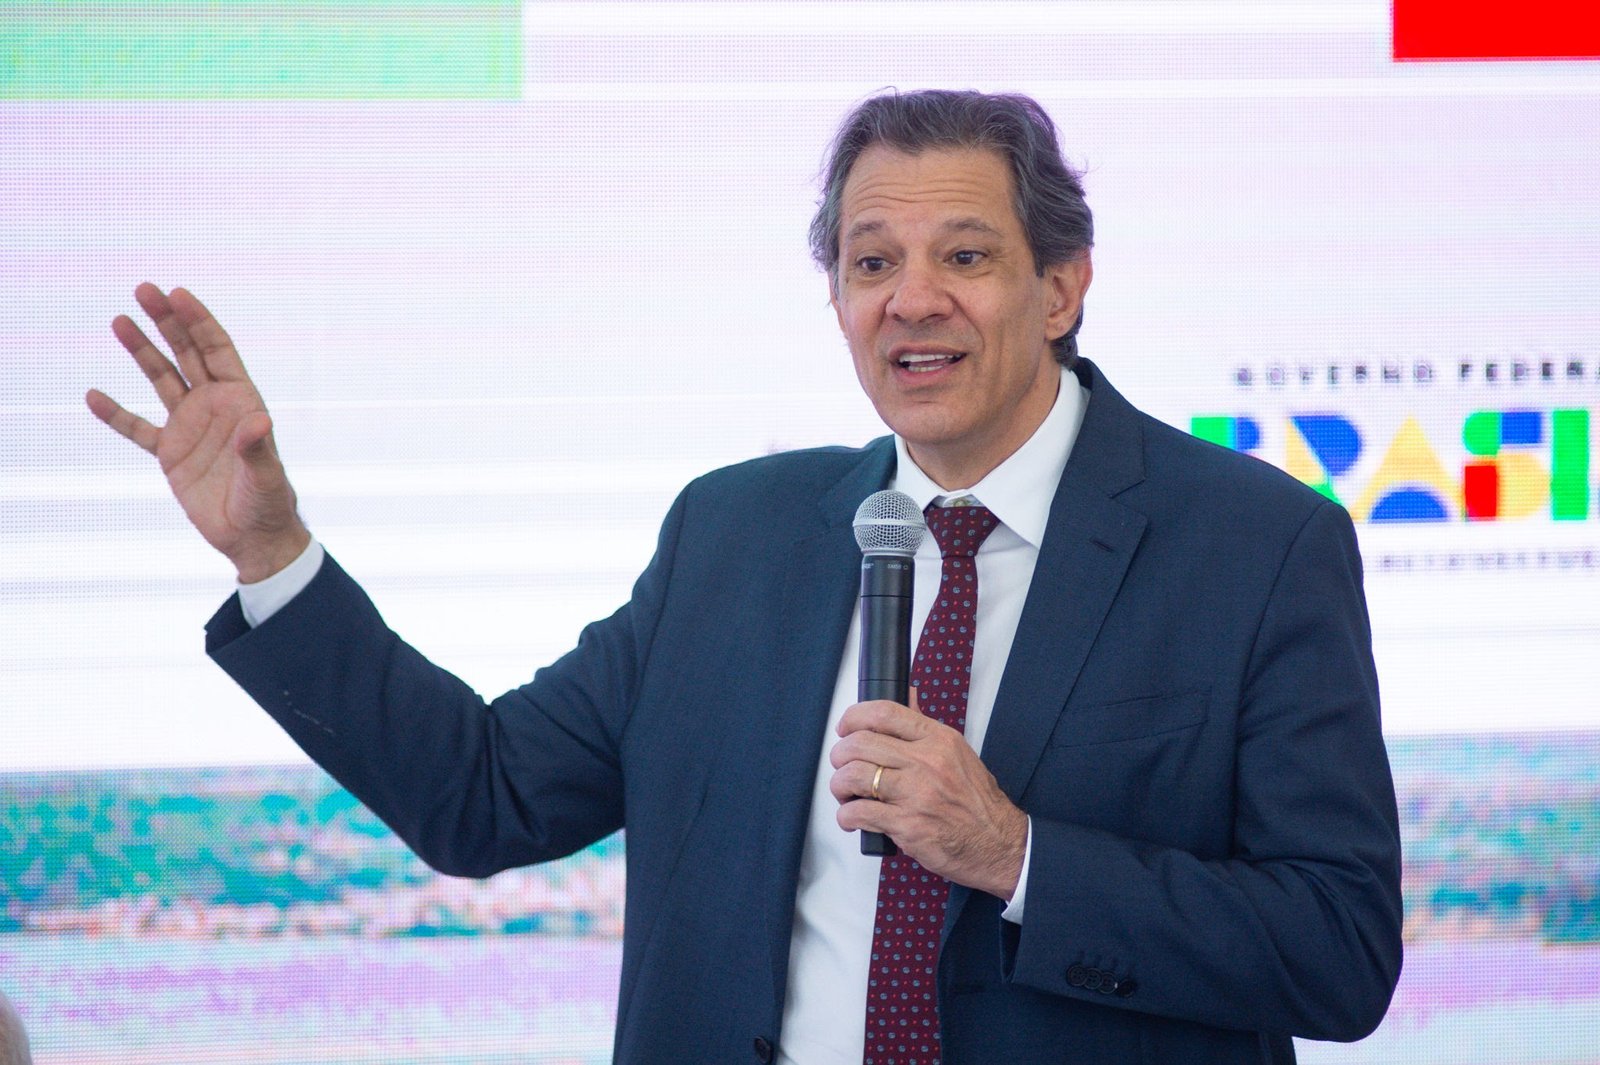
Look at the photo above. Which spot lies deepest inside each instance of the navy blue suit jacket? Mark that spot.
(1189, 714)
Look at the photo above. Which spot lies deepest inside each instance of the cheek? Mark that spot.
(991, 315)
(861, 359)
(860, 331)
(1019, 330)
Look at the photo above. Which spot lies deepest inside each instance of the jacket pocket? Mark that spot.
(1129, 719)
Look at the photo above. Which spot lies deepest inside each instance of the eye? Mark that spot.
(967, 257)
(872, 264)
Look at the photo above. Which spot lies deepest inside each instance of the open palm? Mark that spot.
(216, 448)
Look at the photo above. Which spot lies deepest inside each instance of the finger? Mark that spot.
(873, 748)
(855, 780)
(169, 384)
(124, 422)
(159, 307)
(871, 816)
(881, 715)
(216, 346)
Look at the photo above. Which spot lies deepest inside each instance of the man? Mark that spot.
(1180, 842)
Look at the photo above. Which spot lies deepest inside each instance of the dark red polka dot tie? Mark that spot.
(902, 1000)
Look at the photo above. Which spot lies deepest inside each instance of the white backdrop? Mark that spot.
(498, 336)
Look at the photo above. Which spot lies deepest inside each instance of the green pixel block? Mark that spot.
(1217, 429)
(1481, 433)
(229, 50)
(1569, 465)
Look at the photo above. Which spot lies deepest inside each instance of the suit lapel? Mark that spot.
(820, 589)
(1088, 544)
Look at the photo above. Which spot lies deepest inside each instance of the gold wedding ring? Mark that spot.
(876, 777)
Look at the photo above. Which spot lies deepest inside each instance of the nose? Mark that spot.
(919, 294)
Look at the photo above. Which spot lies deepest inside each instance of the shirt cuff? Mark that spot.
(1013, 910)
(261, 600)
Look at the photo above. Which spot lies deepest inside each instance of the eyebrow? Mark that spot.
(955, 225)
(862, 229)
(971, 225)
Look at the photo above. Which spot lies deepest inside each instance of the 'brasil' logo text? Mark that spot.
(1519, 463)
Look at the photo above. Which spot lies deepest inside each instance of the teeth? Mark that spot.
(919, 362)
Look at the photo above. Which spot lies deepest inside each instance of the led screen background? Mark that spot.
(509, 275)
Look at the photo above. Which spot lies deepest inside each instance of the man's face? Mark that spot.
(947, 322)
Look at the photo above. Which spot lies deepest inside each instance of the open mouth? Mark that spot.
(928, 362)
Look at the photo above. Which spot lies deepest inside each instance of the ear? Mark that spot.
(1067, 283)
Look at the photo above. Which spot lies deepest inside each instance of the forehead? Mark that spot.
(887, 185)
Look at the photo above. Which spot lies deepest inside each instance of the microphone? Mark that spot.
(889, 528)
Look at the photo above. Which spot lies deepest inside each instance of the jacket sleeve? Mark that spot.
(1294, 931)
(472, 787)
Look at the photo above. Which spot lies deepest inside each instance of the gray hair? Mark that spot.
(1049, 193)
(13, 1041)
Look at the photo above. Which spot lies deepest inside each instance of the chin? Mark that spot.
(920, 434)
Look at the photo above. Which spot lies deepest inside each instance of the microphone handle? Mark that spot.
(884, 668)
(877, 844)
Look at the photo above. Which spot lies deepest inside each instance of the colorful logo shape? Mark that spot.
(1503, 478)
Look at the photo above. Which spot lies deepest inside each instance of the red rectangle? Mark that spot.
(1480, 489)
(1496, 29)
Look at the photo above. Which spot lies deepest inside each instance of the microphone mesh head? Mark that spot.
(889, 523)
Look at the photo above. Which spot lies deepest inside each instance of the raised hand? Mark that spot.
(216, 448)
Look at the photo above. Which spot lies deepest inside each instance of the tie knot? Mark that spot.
(960, 530)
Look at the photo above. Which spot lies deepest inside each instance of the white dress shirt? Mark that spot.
(824, 1015)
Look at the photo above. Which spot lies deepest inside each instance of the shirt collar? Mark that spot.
(1019, 490)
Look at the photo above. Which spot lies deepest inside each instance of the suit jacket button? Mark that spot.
(1092, 978)
(1077, 975)
(763, 1050)
(1126, 987)
(1108, 983)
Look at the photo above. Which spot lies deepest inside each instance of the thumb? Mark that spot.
(252, 440)
(914, 705)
